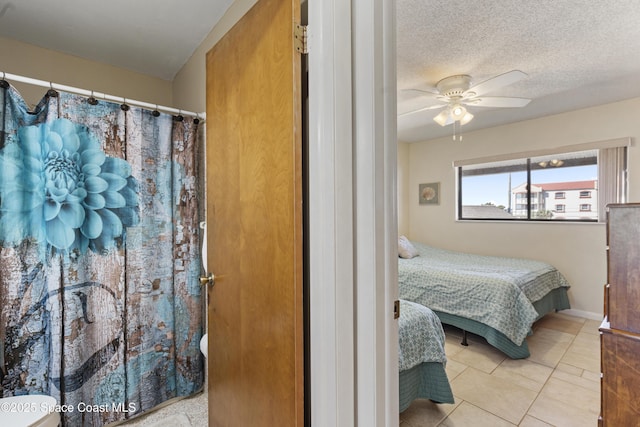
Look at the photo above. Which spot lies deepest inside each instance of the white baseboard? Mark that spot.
(583, 314)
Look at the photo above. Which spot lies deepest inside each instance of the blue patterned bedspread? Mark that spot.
(421, 336)
(495, 291)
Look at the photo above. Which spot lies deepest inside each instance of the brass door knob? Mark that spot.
(207, 280)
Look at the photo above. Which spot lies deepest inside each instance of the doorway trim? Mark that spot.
(352, 213)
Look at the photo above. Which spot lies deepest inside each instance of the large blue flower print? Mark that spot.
(58, 186)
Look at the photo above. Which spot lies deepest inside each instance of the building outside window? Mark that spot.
(527, 188)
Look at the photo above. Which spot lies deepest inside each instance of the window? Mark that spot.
(525, 188)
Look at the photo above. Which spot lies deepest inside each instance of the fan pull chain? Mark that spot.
(454, 130)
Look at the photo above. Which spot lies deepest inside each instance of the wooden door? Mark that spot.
(254, 216)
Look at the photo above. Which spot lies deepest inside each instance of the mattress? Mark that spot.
(497, 292)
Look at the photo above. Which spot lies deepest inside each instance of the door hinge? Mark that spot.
(396, 309)
(300, 39)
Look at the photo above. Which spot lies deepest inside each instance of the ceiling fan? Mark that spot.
(455, 93)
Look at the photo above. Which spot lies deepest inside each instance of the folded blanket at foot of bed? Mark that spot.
(421, 358)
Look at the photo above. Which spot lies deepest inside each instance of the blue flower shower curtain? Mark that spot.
(100, 305)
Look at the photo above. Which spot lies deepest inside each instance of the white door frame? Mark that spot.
(352, 213)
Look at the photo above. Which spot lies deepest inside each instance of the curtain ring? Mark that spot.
(179, 117)
(3, 83)
(124, 106)
(197, 119)
(92, 99)
(52, 92)
(155, 112)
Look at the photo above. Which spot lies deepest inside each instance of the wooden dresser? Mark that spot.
(620, 330)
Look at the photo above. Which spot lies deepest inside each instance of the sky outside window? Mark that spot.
(495, 188)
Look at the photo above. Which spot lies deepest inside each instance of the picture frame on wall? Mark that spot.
(429, 193)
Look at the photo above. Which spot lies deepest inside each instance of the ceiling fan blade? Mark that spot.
(430, 107)
(498, 101)
(410, 100)
(422, 91)
(497, 82)
(417, 95)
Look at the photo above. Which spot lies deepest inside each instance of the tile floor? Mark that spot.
(558, 385)
(188, 412)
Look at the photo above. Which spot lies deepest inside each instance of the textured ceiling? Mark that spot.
(153, 37)
(577, 53)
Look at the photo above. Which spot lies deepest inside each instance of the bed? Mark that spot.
(494, 297)
(421, 357)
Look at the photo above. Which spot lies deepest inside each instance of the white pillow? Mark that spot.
(406, 249)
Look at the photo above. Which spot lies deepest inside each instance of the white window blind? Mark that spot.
(612, 178)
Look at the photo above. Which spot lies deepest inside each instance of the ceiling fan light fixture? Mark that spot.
(458, 112)
(466, 118)
(455, 113)
(456, 93)
(442, 118)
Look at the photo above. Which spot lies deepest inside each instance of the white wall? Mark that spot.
(187, 91)
(52, 66)
(577, 250)
(404, 193)
(189, 85)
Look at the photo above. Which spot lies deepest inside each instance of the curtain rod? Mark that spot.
(99, 95)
